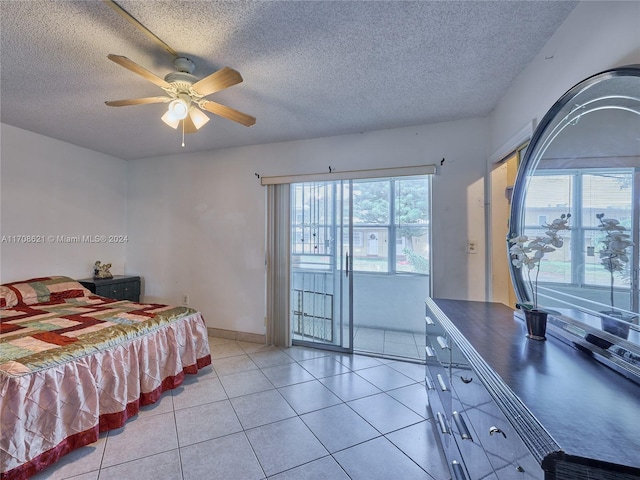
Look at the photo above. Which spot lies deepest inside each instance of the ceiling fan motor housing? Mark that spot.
(184, 74)
(183, 78)
(180, 77)
(185, 65)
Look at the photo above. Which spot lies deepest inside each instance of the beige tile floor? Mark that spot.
(264, 412)
(389, 343)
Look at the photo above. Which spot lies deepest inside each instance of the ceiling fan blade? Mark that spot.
(137, 101)
(130, 18)
(217, 81)
(135, 68)
(228, 113)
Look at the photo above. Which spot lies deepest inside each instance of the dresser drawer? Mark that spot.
(121, 291)
(120, 287)
(446, 365)
(509, 456)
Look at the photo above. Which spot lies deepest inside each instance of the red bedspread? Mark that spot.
(74, 367)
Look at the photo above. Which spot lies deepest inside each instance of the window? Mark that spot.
(390, 225)
(583, 193)
(392, 217)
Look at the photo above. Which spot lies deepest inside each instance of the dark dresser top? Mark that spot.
(588, 409)
(109, 281)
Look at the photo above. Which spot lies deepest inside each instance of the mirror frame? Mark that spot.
(620, 354)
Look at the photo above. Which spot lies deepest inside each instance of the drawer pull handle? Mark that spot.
(458, 471)
(466, 380)
(429, 383)
(430, 352)
(495, 429)
(462, 426)
(443, 343)
(442, 423)
(443, 385)
(429, 321)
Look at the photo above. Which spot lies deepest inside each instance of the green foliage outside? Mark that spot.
(560, 271)
(372, 206)
(418, 262)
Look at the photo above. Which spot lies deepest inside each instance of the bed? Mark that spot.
(74, 364)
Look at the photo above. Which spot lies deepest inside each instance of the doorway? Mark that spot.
(321, 285)
(502, 179)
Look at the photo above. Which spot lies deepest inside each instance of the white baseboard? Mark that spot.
(238, 336)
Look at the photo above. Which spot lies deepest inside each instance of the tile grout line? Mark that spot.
(175, 424)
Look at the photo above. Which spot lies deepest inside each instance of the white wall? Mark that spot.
(595, 37)
(51, 188)
(196, 222)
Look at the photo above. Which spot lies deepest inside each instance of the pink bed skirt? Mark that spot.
(49, 413)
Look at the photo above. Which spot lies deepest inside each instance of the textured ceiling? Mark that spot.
(310, 68)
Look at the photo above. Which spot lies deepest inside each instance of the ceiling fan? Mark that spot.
(185, 94)
(183, 91)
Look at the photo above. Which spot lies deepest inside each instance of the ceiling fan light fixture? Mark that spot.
(169, 119)
(179, 108)
(198, 117)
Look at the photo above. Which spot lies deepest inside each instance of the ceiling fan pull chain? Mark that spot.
(182, 133)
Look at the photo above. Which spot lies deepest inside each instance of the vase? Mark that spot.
(618, 325)
(536, 324)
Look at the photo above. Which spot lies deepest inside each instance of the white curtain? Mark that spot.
(278, 285)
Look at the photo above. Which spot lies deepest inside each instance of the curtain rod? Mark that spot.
(349, 174)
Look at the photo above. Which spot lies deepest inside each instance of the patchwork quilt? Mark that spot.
(73, 364)
(33, 337)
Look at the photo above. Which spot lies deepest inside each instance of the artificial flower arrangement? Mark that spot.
(527, 254)
(613, 257)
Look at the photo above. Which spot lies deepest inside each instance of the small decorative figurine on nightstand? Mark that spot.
(101, 270)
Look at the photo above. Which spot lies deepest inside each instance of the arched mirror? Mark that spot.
(584, 159)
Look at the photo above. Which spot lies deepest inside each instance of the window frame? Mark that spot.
(578, 245)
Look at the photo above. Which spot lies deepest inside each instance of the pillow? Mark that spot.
(46, 289)
(8, 297)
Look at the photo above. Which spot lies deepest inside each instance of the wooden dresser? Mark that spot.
(507, 407)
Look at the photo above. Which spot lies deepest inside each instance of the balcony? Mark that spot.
(388, 312)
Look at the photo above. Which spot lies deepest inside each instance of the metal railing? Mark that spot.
(313, 315)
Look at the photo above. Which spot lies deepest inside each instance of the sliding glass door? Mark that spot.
(321, 263)
(391, 265)
(360, 264)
